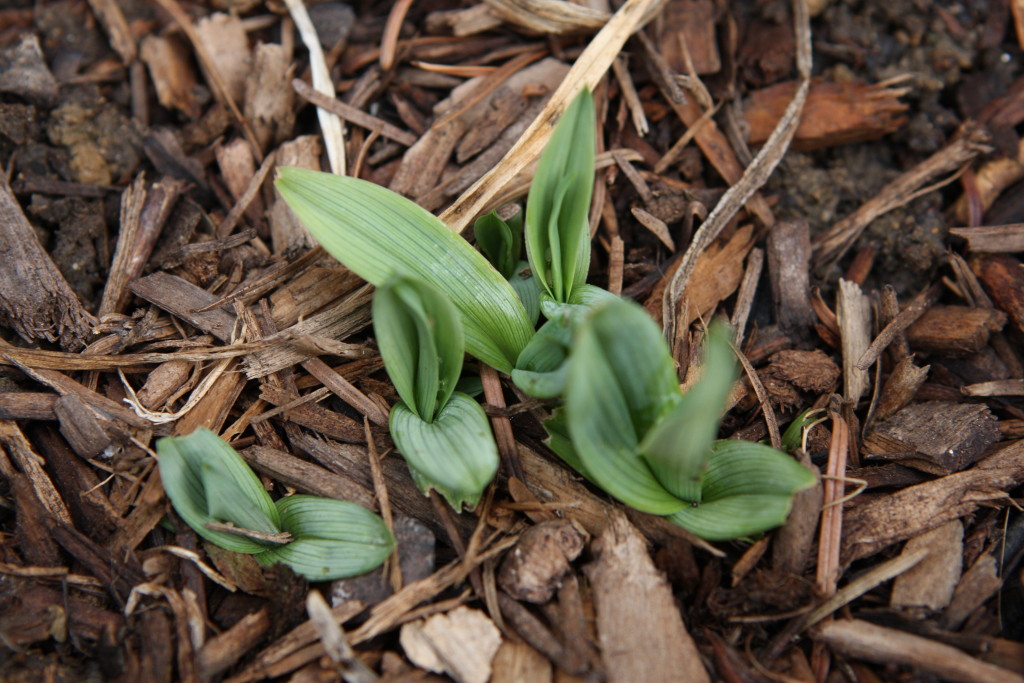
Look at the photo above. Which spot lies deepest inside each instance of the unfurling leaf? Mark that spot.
(420, 339)
(678, 446)
(333, 539)
(500, 241)
(455, 454)
(208, 482)
(558, 205)
(378, 234)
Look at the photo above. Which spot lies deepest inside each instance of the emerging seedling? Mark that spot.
(221, 498)
(443, 434)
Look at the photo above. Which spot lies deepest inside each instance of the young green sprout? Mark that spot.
(221, 498)
(443, 434)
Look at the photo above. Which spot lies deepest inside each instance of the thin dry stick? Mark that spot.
(501, 425)
(745, 298)
(832, 513)
(346, 391)
(380, 489)
(904, 319)
(586, 72)
(352, 114)
(216, 80)
(753, 178)
(330, 124)
(335, 643)
(762, 397)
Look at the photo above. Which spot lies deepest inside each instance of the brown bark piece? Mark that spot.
(269, 98)
(1002, 276)
(35, 299)
(163, 382)
(979, 583)
(928, 586)
(314, 416)
(222, 651)
(834, 114)
(717, 275)
(287, 232)
(792, 544)
(789, 258)
(534, 569)
(183, 300)
(227, 45)
(889, 519)
(237, 168)
(32, 532)
(640, 627)
(993, 239)
(27, 405)
(516, 661)
(114, 23)
(811, 371)
(900, 387)
(174, 79)
(853, 313)
(937, 436)
(461, 643)
(19, 450)
(23, 72)
(306, 476)
(308, 293)
(954, 331)
(689, 37)
(505, 106)
(80, 427)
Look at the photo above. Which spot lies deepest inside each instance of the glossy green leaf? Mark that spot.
(207, 481)
(605, 404)
(558, 205)
(455, 454)
(377, 234)
(332, 538)
(419, 334)
(500, 242)
(678, 446)
(559, 441)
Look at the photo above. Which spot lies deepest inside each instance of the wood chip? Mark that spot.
(640, 628)
(928, 587)
(534, 569)
(461, 643)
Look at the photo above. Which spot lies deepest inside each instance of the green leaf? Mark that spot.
(377, 233)
(793, 437)
(740, 468)
(455, 454)
(748, 488)
(207, 481)
(678, 446)
(558, 205)
(605, 403)
(541, 367)
(499, 241)
(737, 517)
(527, 288)
(332, 538)
(557, 427)
(420, 339)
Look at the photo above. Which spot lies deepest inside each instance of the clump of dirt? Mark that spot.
(104, 145)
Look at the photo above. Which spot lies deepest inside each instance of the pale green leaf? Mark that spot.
(557, 427)
(541, 367)
(678, 446)
(740, 468)
(558, 205)
(207, 481)
(420, 339)
(598, 411)
(332, 538)
(455, 454)
(735, 517)
(377, 233)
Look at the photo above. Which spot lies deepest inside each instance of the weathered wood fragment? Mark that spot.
(863, 640)
(170, 68)
(853, 313)
(954, 331)
(227, 48)
(789, 257)
(27, 405)
(35, 299)
(534, 570)
(461, 643)
(23, 72)
(992, 239)
(928, 587)
(183, 300)
(516, 661)
(640, 628)
(937, 436)
(269, 99)
(222, 651)
(80, 427)
(915, 509)
(1002, 276)
(979, 583)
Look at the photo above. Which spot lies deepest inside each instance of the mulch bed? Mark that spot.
(868, 256)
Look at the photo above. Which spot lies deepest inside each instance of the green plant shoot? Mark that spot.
(209, 483)
(444, 435)
(378, 233)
